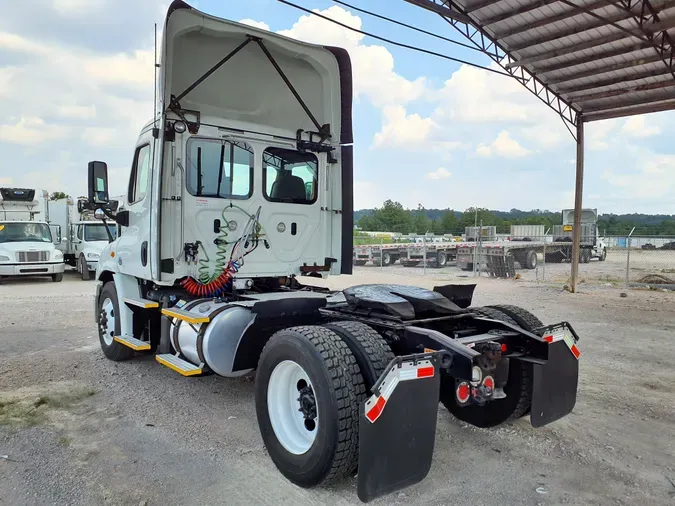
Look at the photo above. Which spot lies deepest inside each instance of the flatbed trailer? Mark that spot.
(378, 254)
(527, 254)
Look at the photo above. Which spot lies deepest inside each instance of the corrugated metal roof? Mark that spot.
(597, 59)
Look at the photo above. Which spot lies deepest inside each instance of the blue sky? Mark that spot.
(428, 131)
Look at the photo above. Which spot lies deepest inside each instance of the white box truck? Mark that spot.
(84, 235)
(27, 241)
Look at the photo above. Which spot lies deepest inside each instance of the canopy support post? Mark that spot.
(578, 196)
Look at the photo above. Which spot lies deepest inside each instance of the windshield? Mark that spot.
(25, 232)
(97, 232)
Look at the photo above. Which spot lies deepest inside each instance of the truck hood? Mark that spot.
(11, 248)
(247, 88)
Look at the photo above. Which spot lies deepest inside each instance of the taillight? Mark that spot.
(463, 392)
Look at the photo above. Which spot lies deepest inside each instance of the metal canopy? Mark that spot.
(587, 60)
(598, 59)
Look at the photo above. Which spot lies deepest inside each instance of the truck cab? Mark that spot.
(27, 241)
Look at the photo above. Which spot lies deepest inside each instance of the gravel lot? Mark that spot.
(136, 433)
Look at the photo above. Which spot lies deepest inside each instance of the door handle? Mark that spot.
(144, 253)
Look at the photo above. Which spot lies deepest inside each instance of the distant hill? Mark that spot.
(392, 217)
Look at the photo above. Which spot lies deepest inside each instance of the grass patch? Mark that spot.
(65, 440)
(31, 411)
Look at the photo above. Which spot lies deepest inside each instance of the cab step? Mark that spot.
(140, 302)
(133, 343)
(179, 365)
(185, 316)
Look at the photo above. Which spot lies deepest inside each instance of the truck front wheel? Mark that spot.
(58, 277)
(86, 274)
(307, 386)
(109, 325)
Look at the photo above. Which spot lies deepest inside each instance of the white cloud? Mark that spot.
(72, 111)
(372, 66)
(31, 131)
(503, 146)
(636, 126)
(402, 130)
(440, 173)
(653, 178)
(255, 24)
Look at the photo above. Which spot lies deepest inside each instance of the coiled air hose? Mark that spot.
(216, 284)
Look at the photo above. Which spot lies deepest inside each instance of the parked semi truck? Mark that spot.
(27, 242)
(237, 201)
(84, 235)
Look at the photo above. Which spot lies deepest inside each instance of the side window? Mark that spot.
(219, 169)
(138, 183)
(79, 232)
(290, 176)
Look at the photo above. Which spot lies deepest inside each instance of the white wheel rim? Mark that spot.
(387, 258)
(295, 433)
(108, 329)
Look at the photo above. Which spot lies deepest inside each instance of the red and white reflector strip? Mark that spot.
(564, 335)
(408, 371)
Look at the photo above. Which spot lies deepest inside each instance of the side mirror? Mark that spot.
(98, 183)
(56, 234)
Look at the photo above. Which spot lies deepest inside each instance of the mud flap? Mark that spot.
(554, 389)
(397, 427)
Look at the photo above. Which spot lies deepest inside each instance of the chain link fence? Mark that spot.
(610, 261)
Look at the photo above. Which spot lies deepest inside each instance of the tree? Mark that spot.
(59, 196)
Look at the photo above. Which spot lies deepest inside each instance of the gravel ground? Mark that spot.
(149, 436)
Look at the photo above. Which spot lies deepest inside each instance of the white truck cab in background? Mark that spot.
(27, 241)
(84, 235)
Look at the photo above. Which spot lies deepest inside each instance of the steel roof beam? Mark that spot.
(444, 11)
(595, 57)
(665, 105)
(575, 11)
(518, 11)
(573, 48)
(581, 98)
(611, 81)
(607, 68)
(575, 30)
(628, 103)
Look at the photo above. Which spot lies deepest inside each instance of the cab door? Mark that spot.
(133, 246)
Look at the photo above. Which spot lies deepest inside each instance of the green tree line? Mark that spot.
(393, 217)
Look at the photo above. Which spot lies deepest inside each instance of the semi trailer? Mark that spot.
(240, 195)
(27, 241)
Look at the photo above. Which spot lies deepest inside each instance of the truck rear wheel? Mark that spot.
(441, 260)
(518, 389)
(109, 325)
(306, 404)
(530, 260)
(371, 351)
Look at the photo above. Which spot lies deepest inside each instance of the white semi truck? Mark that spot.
(27, 242)
(240, 190)
(84, 235)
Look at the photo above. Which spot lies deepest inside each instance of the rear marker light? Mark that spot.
(548, 339)
(463, 392)
(503, 348)
(425, 372)
(488, 382)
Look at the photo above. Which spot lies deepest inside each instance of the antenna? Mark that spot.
(154, 69)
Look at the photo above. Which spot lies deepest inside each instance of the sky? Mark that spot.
(76, 84)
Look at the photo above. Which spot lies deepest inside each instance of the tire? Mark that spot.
(108, 308)
(368, 347)
(334, 382)
(386, 259)
(441, 260)
(518, 389)
(83, 269)
(410, 263)
(530, 259)
(360, 263)
(58, 277)
(468, 267)
(603, 255)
